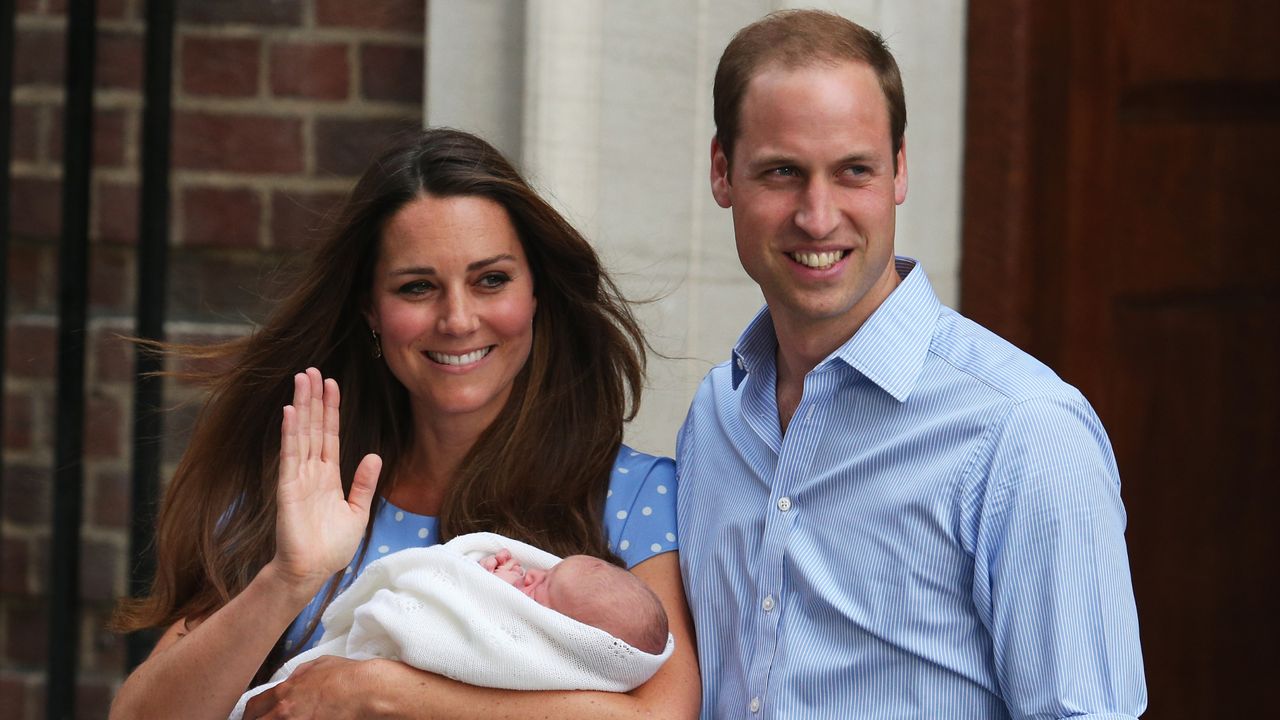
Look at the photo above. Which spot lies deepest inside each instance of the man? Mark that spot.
(886, 510)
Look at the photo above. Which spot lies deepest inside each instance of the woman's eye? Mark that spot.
(417, 287)
(493, 281)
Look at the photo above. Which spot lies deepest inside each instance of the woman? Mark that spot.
(487, 365)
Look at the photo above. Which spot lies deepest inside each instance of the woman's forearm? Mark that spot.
(201, 673)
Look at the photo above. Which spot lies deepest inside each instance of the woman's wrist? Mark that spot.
(296, 589)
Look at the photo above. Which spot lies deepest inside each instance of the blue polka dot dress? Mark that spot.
(639, 518)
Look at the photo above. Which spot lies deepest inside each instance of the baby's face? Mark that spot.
(552, 587)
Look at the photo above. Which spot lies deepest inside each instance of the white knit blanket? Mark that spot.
(437, 609)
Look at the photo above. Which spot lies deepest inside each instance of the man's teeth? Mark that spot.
(818, 261)
(467, 359)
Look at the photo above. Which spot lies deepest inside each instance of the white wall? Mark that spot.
(613, 124)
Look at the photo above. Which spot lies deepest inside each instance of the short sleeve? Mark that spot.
(640, 511)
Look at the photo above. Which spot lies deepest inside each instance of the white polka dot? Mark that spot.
(671, 537)
(422, 533)
(609, 494)
(622, 514)
(624, 545)
(634, 453)
(348, 571)
(383, 549)
(646, 511)
(623, 470)
(399, 515)
(662, 489)
(655, 547)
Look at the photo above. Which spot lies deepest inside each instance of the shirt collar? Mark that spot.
(889, 349)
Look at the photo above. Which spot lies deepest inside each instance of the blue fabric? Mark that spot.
(939, 533)
(640, 520)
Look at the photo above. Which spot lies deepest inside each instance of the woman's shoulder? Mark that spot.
(640, 508)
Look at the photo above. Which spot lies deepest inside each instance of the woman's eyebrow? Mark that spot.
(428, 270)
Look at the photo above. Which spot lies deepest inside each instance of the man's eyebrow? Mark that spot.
(780, 159)
(471, 267)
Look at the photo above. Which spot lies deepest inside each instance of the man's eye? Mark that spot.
(494, 280)
(786, 171)
(858, 170)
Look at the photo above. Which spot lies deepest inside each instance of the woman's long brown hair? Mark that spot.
(539, 473)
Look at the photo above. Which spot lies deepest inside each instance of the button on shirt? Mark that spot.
(939, 533)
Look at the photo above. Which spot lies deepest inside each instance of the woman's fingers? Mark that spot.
(289, 442)
(364, 483)
(329, 452)
(302, 404)
(315, 425)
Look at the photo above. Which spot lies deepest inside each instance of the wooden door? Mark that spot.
(1122, 190)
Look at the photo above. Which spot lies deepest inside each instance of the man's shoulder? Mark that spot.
(977, 355)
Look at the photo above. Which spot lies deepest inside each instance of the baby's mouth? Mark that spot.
(463, 359)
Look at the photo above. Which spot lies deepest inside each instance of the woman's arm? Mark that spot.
(199, 670)
(336, 689)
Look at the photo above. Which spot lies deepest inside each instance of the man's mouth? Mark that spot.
(463, 359)
(818, 260)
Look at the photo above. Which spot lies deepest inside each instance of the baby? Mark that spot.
(593, 592)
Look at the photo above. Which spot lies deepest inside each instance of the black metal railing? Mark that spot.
(64, 606)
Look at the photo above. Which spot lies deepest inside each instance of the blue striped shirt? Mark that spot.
(938, 534)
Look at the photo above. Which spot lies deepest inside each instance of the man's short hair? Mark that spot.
(798, 38)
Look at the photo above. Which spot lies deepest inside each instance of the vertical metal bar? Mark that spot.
(73, 281)
(7, 11)
(153, 244)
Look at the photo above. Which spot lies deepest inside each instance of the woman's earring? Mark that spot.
(377, 346)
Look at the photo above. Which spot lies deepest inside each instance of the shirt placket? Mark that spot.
(795, 458)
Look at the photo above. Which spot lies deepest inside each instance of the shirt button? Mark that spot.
(755, 705)
(784, 504)
(768, 603)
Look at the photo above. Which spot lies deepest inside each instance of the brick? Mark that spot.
(28, 633)
(237, 143)
(406, 16)
(112, 499)
(27, 495)
(220, 67)
(218, 283)
(315, 71)
(346, 146)
(13, 697)
(40, 57)
(99, 570)
(103, 427)
(107, 654)
(246, 12)
(110, 136)
(29, 7)
(301, 220)
(113, 355)
(117, 211)
(119, 59)
(35, 207)
(25, 142)
(111, 278)
(19, 414)
(31, 283)
(30, 350)
(16, 559)
(392, 72)
(93, 698)
(220, 217)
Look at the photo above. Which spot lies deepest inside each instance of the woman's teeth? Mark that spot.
(467, 359)
(817, 261)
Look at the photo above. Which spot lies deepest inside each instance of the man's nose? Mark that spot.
(817, 215)
(458, 316)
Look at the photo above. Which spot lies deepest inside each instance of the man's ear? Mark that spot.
(721, 189)
(900, 177)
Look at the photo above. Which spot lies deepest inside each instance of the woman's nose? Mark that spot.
(458, 317)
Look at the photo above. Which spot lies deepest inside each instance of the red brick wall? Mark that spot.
(278, 105)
